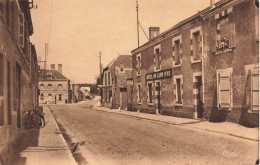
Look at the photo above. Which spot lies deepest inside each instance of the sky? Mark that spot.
(77, 30)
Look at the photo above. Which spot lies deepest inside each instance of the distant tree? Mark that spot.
(98, 80)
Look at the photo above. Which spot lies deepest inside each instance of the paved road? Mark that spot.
(117, 139)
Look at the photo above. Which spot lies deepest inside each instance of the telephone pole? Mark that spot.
(137, 23)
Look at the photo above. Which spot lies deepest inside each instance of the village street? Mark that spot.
(108, 138)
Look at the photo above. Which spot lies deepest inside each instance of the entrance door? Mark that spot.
(200, 109)
(123, 98)
(18, 94)
(158, 91)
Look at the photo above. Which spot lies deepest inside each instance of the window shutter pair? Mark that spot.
(224, 90)
(253, 90)
(21, 29)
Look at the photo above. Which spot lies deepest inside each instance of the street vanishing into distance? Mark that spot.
(108, 138)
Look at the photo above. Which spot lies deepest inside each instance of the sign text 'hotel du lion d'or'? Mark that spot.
(159, 75)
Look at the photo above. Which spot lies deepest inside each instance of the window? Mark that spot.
(150, 92)
(139, 93)
(9, 93)
(109, 96)
(49, 85)
(157, 57)
(177, 51)
(49, 94)
(21, 29)
(1, 90)
(178, 82)
(105, 79)
(1, 5)
(196, 44)
(42, 95)
(224, 88)
(225, 31)
(42, 85)
(7, 3)
(49, 76)
(108, 78)
(138, 65)
(60, 97)
(253, 90)
(59, 85)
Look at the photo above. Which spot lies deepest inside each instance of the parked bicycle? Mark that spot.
(34, 118)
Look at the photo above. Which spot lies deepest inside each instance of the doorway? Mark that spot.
(18, 94)
(158, 96)
(123, 98)
(199, 88)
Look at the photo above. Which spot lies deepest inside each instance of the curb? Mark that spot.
(60, 133)
(181, 124)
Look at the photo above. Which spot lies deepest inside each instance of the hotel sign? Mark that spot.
(159, 75)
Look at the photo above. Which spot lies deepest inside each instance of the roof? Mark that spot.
(56, 75)
(185, 21)
(126, 59)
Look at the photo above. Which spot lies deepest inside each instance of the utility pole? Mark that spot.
(100, 66)
(137, 23)
(46, 53)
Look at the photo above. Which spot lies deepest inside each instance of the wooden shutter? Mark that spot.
(224, 90)
(255, 89)
(21, 29)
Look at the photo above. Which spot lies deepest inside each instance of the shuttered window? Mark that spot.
(139, 93)
(224, 92)
(150, 92)
(21, 29)
(253, 90)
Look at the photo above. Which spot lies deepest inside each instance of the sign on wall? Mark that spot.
(159, 75)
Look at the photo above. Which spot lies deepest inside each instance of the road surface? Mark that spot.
(110, 138)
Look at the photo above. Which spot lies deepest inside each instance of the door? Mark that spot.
(158, 94)
(123, 98)
(18, 94)
(200, 109)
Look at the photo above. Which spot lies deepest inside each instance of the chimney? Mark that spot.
(153, 32)
(60, 68)
(212, 3)
(52, 66)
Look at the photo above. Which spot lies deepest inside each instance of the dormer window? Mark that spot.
(48, 76)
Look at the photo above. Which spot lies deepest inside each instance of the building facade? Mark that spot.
(115, 77)
(18, 71)
(54, 86)
(199, 67)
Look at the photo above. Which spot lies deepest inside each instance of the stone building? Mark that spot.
(18, 71)
(54, 86)
(115, 77)
(180, 71)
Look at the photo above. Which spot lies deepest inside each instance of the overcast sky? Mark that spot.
(76, 30)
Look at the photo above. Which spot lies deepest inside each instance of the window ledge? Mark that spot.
(138, 75)
(195, 61)
(253, 111)
(150, 103)
(139, 103)
(178, 105)
(227, 50)
(175, 66)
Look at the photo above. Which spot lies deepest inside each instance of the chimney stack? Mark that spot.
(60, 68)
(212, 3)
(52, 66)
(153, 32)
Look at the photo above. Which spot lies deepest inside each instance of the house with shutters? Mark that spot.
(114, 87)
(54, 86)
(206, 66)
(18, 72)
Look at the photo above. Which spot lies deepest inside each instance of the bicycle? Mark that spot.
(34, 117)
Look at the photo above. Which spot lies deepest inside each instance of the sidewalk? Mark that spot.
(44, 146)
(226, 128)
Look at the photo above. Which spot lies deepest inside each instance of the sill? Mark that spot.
(178, 105)
(224, 108)
(150, 103)
(175, 66)
(139, 103)
(226, 50)
(195, 61)
(138, 75)
(253, 111)
(156, 70)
